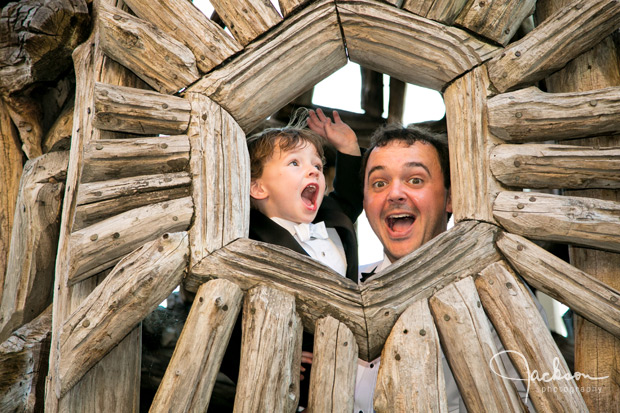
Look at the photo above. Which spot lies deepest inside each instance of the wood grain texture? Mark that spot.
(135, 287)
(191, 373)
(392, 41)
(564, 35)
(334, 367)
(443, 11)
(287, 6)
(58, 137)
(272, 71)
(411, 377)
(556, 166)
(574, 220)
(270, 353)
(530, 115)
(469, 347)
(140, 46)
(247, 19)
(183, 21)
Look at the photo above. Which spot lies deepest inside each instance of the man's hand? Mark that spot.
(337, 132)
(306, 358)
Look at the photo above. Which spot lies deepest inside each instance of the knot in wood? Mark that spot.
(518, 115)
(517, 163)
(397, 357)
(116, 235)
(446, 317)
(85, 323)
(422, 332)
(532, 199)
(508, 285)
(520, 206)
(519, 247)
(94, 237)
(345, 344)
(518, 53)
(99, 147)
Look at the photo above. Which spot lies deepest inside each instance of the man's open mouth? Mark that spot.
(309, 195)
(400, 222)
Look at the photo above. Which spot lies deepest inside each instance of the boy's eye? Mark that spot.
(319, 167)
(294, 163)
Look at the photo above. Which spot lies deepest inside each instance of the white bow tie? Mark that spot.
(306, 232)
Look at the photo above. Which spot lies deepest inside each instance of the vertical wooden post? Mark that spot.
(372, 92)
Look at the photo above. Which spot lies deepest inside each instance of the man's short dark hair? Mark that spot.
(410, 135)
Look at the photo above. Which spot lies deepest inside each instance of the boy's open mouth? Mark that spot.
(309, 195)
(400, 222)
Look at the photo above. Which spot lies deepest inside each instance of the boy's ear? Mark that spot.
(257, 191)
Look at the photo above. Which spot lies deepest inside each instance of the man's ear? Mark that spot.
(257, 190)
(449, 202)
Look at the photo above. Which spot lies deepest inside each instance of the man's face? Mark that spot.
(405, 199)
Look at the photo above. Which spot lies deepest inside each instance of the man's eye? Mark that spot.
(415, 181)
(378, 184)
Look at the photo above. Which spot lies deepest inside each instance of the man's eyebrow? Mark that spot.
(374, 168)
(418, 165)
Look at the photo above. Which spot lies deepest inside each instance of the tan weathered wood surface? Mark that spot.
(411, 377)
(580, 291)
(564, 35)
(126, 109)
(444, 11)
(270, 379)
(439, 53)
(140, 47)
(556, 166)
(573, 220)
(183, 21)
(272, 71)
(526, 338)
(529, 115)
(469, 347)
(192, 370)
(334, 367)
(247, 19)
(287, 6)
(58, 138)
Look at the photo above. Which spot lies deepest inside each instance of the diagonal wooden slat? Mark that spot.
(443, 11)
(247, 19)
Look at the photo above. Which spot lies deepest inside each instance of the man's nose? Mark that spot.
(397, 193)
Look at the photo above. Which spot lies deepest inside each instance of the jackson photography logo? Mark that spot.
(546, 377)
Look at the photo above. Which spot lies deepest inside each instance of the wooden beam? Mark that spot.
(140, 46)
(529, 115)
(183, 21)
(58, 137)
(126, 109)
(469, 347)
(389, 40)
(573, 220)
(190, 376)
(556, 166)
(564, 35)
(586, 295)
(527, 340)
(443, 11)
(247, 19)
(411, 375)
(396, 107)
(135, 287)
(372, 92)
(287, 6)
(287, 61)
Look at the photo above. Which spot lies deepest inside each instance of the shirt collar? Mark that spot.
(285, 223)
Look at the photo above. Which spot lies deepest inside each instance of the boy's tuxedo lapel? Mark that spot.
(265, 230)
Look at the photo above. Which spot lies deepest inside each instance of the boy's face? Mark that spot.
(292, 184)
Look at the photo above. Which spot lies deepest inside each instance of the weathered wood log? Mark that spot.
(247, 19)
(58, 138)
(102, 245)
(181, 20)
(497, 20)
(287, 6)
(439, 53)
(443, 11)
(396, 107)
(526, 338)
(469, 347)
(583, 293)
(464, 250)
(23, 365)
(317, 289)
(473, 186)
(556, 166)
(192, 370)
(135, 287)
(334, 366)
(140, 46)
(574, 220)
(270, 353)
(371, 100)
(26, 115)
(529, 115)
(27, 288)
(126, 109)
(272, 71)
(219, 160)
(564, 35)
(411, 375)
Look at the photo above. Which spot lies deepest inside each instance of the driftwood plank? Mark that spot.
(439, 53)
(526, 338)
(556, 166)
(563, 36)
(27, 288)
(119, 158)
(334, 366)
(270, 353)
(287, 6)
(126, 109)
(102, 245)
(443, 11)
(411, 375)
(469, 347)
(191, 373)
(529, 114)
(574, 220)
(183, 21)
(272, 71)
(464, 250)
(220, 168)
(135, 287)
(586, 295)
(497, 20)
(247, 19)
